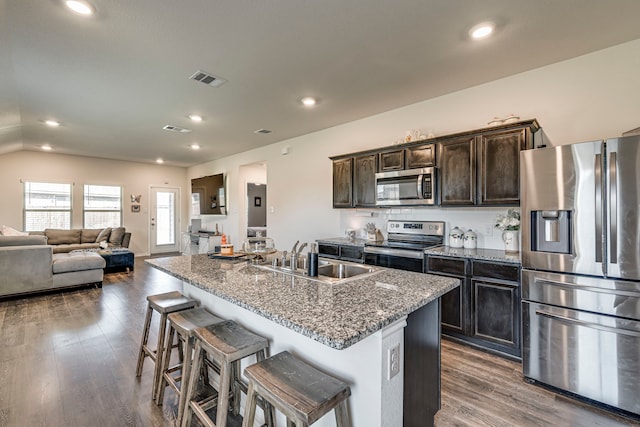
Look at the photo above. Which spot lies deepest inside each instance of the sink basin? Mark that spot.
(328, 271)
(343, 271)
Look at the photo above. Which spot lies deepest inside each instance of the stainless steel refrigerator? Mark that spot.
(581, 269)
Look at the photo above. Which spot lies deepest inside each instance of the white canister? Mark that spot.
(456, 238)
(470, 239)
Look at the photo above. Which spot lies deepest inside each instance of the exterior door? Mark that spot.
(165, 220)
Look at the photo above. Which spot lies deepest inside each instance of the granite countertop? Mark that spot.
(343, 241)
(337, 315)
(479, 253)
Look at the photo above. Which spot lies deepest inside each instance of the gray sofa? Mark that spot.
(84, 238)
(29, 265)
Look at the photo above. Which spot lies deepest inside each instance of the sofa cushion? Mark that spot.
(22, 240)
(77, 261)
(5, 230)
(89, 235)
(103, 236)
(116, 236)
(58, 237)
(63, 248)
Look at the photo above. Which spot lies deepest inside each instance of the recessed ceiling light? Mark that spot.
(481, 31)
(195, 118)
(45, 147)
(52, 123)
(159, 161)
(79, 7)
(194, 146)
(308, 101)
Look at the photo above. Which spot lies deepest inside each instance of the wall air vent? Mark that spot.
(207, 78)
(173, 128)
(262, 131)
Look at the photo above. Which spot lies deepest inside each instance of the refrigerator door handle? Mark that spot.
(598, 199)
(613, 213)
(570, 320)
(580, 287)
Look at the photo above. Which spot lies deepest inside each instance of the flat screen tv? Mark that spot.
(208, 195)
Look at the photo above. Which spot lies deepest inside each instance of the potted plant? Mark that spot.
(509, 224)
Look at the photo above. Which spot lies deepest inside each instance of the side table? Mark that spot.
(117, 260)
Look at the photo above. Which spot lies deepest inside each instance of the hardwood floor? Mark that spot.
(69, 358)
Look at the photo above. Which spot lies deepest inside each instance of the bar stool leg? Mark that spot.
(342, 414)
(269, 410)
(223, 393)
(157, 375)
(193, 383)
(250, 407)
(145, 338)
(186, 376)
(166, 359)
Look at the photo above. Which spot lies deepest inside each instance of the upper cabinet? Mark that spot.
(479, 167)
(343, 183)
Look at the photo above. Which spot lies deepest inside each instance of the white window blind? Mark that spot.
(102, 206)
(46, 205)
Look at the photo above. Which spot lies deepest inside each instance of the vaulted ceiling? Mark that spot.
(115, 79)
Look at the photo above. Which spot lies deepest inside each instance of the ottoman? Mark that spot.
(77, 268)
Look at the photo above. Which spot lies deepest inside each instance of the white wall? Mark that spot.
(590, 97)
(135, 178)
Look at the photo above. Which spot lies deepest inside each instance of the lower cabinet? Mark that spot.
(353, 253)
(485, 309)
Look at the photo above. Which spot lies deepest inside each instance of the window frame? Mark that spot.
(85, 210)
(26, 210)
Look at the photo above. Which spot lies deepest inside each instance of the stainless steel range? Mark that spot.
(405, 244)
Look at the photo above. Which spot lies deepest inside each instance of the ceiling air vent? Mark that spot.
(207, 78)
(262, 131)
(173, 128)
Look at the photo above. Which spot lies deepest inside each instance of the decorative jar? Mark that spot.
(511, 239)
(470, 239)
(456, 238)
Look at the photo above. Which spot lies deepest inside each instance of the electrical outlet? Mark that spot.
(394, 361)
(488, 230)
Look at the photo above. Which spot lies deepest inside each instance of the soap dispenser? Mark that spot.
(312, 260)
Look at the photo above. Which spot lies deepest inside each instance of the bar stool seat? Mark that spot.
(164, 304)
(298, 390)
(226, 343)
(183, 323)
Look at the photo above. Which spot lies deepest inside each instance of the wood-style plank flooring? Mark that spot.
(69, 359)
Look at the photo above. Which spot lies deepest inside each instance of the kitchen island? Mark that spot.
(362, 330)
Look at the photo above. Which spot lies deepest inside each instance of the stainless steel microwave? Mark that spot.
(406, 188)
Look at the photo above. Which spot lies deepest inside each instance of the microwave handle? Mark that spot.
(419, 186)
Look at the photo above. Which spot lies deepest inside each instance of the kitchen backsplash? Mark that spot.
(480, 219)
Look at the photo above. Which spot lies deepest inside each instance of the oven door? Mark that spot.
(406, 188)
(401, 259)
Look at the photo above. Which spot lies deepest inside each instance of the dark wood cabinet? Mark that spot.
(420, 156)
(500, 166)
(364, 180)
(485, 309)
(343, 252)
(343, 183)
(458, 172)
(391, 160)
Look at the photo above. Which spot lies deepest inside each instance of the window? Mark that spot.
(102, 206)
(46, 205)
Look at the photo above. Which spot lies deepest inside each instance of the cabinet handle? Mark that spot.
(591, 325)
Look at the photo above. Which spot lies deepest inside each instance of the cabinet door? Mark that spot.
(420, 156)
(329, 250)
(458, 172)
(454, 307)
(391, 160)
(500, 167)
(352, 253)
(496, 313)
(364, 180)
(343, 183)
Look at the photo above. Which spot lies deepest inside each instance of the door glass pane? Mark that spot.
(165, 218)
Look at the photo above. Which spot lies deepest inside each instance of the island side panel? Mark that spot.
(362, 365)
(422, 366)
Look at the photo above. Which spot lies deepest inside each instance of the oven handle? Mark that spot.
(587, 324)
(402, 253)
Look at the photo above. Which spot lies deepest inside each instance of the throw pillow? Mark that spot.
(8, 231)
(116, 236)
(103, 235)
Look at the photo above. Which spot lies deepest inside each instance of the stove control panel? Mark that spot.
(427, 228)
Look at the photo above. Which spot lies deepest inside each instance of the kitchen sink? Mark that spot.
(328, 271)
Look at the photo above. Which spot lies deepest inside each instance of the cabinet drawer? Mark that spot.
(457, 266)
(328, 250)
(354, 253)
(493, 270)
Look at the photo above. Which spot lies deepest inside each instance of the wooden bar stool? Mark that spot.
(226, 343)
(164, 304)
(298, 390)
(183, 323)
